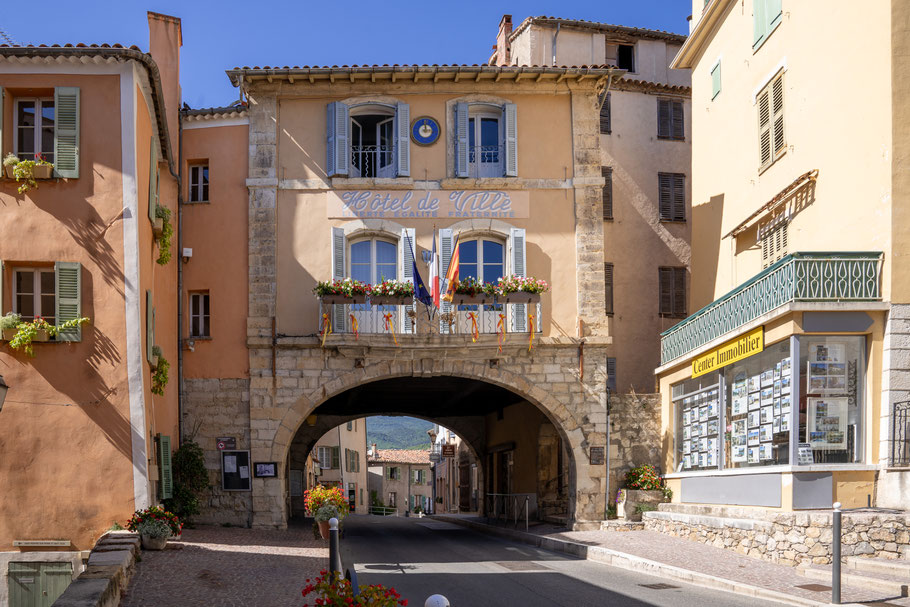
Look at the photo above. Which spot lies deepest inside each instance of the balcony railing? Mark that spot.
(368, 319)
(485, 161)
(797, 277)
(372, 161)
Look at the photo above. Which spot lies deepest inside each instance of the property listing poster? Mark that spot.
(700, 425)
(760, 410)
(827, 422)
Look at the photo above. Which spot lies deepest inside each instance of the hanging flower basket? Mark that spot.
(158, 227)
(343, 299)
(345, 291)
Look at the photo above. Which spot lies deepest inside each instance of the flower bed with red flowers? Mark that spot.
(645, 478)
(333, 591)
(319, 496)
(157, 514)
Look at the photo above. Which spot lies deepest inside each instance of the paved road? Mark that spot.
(420, 557)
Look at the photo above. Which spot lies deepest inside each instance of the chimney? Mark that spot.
(165, 40)
(373, 450)
(503, 50)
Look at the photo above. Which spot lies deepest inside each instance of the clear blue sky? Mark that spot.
(221, 35)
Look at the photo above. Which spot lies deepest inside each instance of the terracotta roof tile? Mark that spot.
(400, 456)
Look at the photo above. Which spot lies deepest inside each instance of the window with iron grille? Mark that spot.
(672, 287)
(671, 196)
(771, 139)
(606, 121)
(608, 288)
(774, 241)
(607, 173)
(670, 119)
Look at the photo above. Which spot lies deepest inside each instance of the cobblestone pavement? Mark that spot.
(228, 567)
(718, 562)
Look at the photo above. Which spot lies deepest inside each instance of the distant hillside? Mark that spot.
(398, 432)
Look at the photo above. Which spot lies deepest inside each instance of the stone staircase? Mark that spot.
(890, 576)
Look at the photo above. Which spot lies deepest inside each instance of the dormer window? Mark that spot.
(368, 140)
(486, 143)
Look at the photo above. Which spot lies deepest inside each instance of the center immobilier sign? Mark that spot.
(751, 343)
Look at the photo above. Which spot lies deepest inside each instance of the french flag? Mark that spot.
(434, 273)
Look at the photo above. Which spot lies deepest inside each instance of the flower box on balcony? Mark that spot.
(519, 297)
(470, 300)
(8, 334)
(391, 301)
(41, 335)
(43, 171)
(342, 299)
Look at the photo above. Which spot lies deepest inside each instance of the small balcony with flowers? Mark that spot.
(472, 311)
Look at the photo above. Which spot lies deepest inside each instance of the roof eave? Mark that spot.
(692, 48)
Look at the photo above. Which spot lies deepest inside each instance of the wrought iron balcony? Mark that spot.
(372, 161)
(798, 277)
(486, 161)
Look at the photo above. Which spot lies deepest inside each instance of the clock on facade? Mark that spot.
(424, 130)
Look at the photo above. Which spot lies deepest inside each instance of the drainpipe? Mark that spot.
(556, 35)
(181, 388)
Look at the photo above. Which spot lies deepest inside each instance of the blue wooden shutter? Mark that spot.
(66, 131)
(461, 139)
(149, 326)
(517, 247)
(510, 129)
(166, 483)
(446, 242)
(338, 125)
(153, 179)
(403, 128)
(406, 251)
(68, 296)
(339, 270)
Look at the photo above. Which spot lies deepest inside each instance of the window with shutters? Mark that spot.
(671, 196)
(670, 120)
(766, 16)
(485, 153)
(774, 237)
(771, 140)
(608, 288)
(368, 140)
(199, 183)
(606, 120)
(35, 294)
(607, 173)
(324, 455)
(715, 80)
(350, 426)
(35, 126)
(611, 374)
(200, 314)
(672, 292)
(486, 141)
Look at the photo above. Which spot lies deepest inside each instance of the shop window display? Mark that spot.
(697, 404)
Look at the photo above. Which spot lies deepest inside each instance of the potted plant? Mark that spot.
(470, 291)
(160, 376)
(156, 356)
(345, 291)
(8, 324)
(644, 490)
(9, 163)
(325, 513)
(42, 169)
(520, 289)
(317, 497)
(392, 292)
(156, 523)
(329, 588)
(154, 534)
(164, 234)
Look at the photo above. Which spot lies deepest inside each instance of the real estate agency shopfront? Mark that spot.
(783, 414)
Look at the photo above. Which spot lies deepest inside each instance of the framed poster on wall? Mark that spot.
(827, 428)
(235, 470)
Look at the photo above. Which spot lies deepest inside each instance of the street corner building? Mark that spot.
(193, 240)
(787, 390)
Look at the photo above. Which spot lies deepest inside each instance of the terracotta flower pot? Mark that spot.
(9, 172)
(8, 334)
(42, 171)
(153, 543)
(158, 226)
(324, 529)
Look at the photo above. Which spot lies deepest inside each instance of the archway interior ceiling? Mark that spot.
(421, 397)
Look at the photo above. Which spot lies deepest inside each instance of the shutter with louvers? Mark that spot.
(606, 126)
(607, 173)
(166, 484)
(608, 288)
(149, 326)
(68, 292)
(665, 196)
(517, 247)
(337, 150)
(510, 114)
(153, 179)
(764, 128)
(403, 124)
(663, 118)
(611, 374)
(777, 110)
(665, 300)
(339, 268)
(678, 120)
(336, 458)
(679, 197)
(66, 131)
(406, 251)
(679, 292)
(446, 244)
(461, 139)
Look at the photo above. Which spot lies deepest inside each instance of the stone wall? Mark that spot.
(635, 437)
(893, 487)
(216, 408)
(788, 538)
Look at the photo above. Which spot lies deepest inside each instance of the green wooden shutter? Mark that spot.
(149, 326)
(68, 297)
(153, 180)
(759, 29)
(773, 15)
(166, 483)
(403, 134)
(336, 457)
(510, 128)
(715, 81)
(66, 131)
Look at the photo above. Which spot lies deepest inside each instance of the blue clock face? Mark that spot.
(425, 130)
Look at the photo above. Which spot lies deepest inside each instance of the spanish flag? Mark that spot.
(452, 274)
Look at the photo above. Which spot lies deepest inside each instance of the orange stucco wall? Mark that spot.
(217, 233)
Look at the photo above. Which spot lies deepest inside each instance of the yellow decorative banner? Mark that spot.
(751, 343)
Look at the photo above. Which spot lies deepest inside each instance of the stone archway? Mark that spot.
(572, 409)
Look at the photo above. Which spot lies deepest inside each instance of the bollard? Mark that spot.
(835, 554)
(334, 547)
(437, 600)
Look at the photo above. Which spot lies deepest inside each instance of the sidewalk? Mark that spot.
(685, 561)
